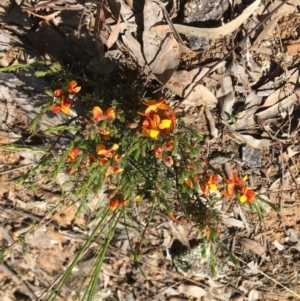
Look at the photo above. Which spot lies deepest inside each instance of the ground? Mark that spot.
(244, 99)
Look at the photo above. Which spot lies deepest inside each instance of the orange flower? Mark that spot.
(210, 184)
(189, 182)
(102, 161)
(170, 115)
(154, 106)
(176, 219)
(98, 114)
(207, 233)
(246, 194)
(229, 193)
(64, 106)
(73, 88)
(117, 201)
(58, 93)
(73, 154)
(169, 145)
(236, 180)
(153, 126)
(118, 158)
(102, 151)
(116, 168)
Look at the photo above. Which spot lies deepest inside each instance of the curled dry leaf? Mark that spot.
(278, 245)
(212, 33)
(250, 140)
(233, 222)
(279, 107)
(283, 91)
(192, 290)
(226, 103)
(211, 122)
(253, 246)
(254, 295)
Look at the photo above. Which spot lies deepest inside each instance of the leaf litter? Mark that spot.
(258, 88)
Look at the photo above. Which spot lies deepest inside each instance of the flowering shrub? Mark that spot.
(138, 156)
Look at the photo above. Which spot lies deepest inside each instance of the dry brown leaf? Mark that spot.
(167, 60)
(279, 107)
(115, 7)
(253, 246)
(179, 233)
(266, 33)
(247, 119)
(183, 84)
(239, 71)
(232, 222)
(226, 103)
(212, 33)
(211, 122)
(161, 50)
(251, 141)
(134, 48)
(254, 295)
(283, 91)
(192, 290)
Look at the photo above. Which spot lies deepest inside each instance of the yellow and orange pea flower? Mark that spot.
(154, 106)
(72, 87)
(230, 192)
(246, 194)
(63, 106)
(108, 153)
(170, 115)
(98, 114)
(209, 183)
(73, 154)
(236, 180)
(117, 201)
(152, 127)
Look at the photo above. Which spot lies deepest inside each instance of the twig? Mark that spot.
(23, 287)
(39, 6)
(17, 168)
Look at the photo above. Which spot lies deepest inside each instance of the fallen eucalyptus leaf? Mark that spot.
(253, 246)
(251, 141)
(212, 33)
(192, 290)
(161, 50)
(278, 245)
(183, 84)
